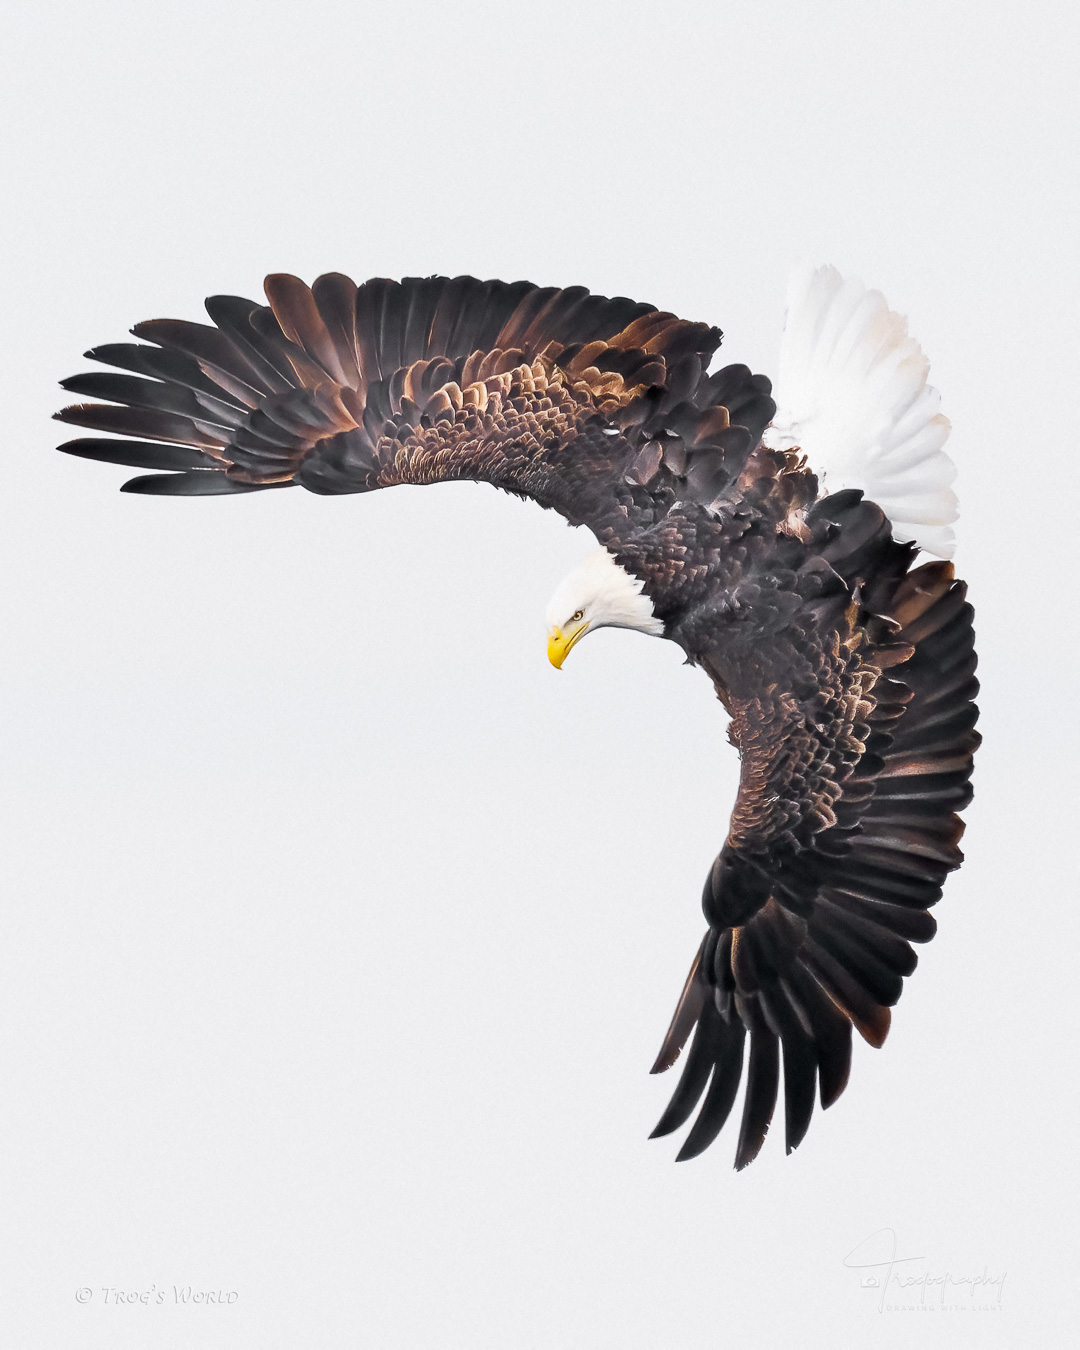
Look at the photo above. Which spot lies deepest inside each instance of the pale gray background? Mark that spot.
(340, 930)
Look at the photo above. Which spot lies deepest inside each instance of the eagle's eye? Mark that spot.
(577, 615)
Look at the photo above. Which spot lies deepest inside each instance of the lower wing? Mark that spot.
(811, 936)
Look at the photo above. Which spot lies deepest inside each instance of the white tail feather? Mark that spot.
(852, 395)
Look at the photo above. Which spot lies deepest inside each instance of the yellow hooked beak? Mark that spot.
(560, 642)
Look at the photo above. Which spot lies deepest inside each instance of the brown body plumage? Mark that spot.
(848, 675)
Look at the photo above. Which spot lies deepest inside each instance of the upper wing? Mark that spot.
(855, 761)
(852, 394)
(553, 393)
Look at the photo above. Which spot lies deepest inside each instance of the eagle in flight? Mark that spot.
(777, 548)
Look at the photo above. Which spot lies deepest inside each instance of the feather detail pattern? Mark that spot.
(846, 668)
(852, 395)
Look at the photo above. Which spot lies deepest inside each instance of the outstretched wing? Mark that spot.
(856, 755)
(556, 394)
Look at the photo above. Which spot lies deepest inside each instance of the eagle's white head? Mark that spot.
(598, 594)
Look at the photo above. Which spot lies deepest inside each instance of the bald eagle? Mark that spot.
(777, 549)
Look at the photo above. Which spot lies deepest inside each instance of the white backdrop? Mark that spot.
(340, 931)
